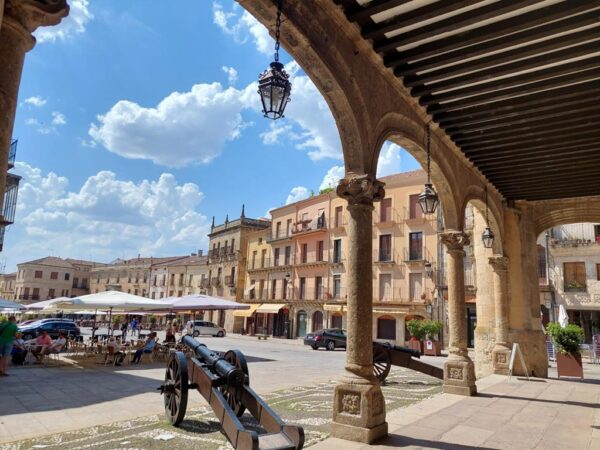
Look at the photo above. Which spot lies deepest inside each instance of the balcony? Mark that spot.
(222, 255)
(574, 286)
(281, 236)
(310, 225)
(311, 260)
(215, 282)
(417, 256)
(384, 256)
(338, 259)
(204, 283)
(259, 264)
(388, 295)
(10, 198)
(339, 224)
(387, 219)
(565, 243)
(12, 154)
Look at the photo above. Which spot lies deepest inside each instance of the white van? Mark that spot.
(209, 328)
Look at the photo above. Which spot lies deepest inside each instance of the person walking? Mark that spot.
(134, 327)
(8, 331)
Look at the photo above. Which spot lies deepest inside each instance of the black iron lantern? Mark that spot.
(487, 236)
(428, 269)
(274, 85)
(428, 199)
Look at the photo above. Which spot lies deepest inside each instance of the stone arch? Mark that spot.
(476, 196)
(550, 213)
(407, 133)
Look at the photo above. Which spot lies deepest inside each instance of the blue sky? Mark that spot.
(137, 124)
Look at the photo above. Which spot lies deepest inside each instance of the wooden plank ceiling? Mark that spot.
(514, 83)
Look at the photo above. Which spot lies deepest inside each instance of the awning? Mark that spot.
(400, 312)
(334, 308)
(270, 308)
(246, 312)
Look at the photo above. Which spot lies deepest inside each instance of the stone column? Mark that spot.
(459, 371)
(21, 18)
(359, 407)
(501, 352)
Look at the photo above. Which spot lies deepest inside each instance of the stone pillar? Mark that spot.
(501, 352)
(459, 371)
(359, 407)
(21, 18)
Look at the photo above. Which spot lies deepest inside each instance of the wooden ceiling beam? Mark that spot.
(358, 13)
(527, 154)
(564, 138)
(475, 153)
(520, 167)
(530, 159)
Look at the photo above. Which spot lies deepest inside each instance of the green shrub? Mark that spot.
(415, 328)
(567, 339)
(432, 329)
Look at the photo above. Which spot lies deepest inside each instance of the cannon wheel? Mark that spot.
(382, 362)
(176, 388)
(233, 395)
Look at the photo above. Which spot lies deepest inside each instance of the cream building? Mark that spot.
(52, 277)
(179, 277)
(7, 285)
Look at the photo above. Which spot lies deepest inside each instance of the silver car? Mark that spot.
(207, 328)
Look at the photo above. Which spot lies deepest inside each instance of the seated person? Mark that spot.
(170, 334)
(147, 348)
(54, 347)
(19, 351)
(114, 348)
(41, 342)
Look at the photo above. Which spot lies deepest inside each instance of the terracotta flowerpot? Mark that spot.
(415, 344)
(432, 348)
(569, 365)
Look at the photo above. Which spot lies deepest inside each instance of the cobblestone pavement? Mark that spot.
(309, 406)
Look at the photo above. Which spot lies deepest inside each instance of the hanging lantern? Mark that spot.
(274, 85)
(428, 269)
(487, 236)
(428, 199)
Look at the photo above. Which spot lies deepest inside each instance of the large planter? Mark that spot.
(569, 365)
(415, 344)
(432, 348)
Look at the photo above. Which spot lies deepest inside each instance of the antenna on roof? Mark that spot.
(213, 223)
(243, 215)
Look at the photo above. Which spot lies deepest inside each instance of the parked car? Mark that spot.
(204, 327)
(330, 338)
(53, 326)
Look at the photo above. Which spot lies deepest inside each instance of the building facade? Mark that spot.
(7, 285)
(179, 277)
(53, 277)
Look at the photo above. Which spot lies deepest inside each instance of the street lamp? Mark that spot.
(487, 236)
(274, 86)
(428, 199)
(428, 269)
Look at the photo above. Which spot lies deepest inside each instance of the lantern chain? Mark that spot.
(486, 206)
(277, 29)
(428, 154)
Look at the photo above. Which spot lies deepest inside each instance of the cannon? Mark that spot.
(386, 355)
(223, 380)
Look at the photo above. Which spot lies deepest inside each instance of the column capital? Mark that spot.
(360, 189)
(29, 15)
(454, 240)
(499, 263)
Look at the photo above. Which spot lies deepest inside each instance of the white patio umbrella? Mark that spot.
(563, 317)
(46, 305)
(8, 306)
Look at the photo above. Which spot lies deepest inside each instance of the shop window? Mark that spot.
(386, 328)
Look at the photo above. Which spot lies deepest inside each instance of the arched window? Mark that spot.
(301, 319)
(317, 321)
(386, 328)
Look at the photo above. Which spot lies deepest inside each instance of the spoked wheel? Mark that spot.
(382, 362)
(231, 393)
(175, 388)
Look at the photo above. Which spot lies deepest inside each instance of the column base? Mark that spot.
(500, 359)
(359, 412)
(459, 376)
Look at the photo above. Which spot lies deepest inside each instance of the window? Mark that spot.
(321, 219)
(320, 251)
(304, 253)
(254, 253)
(84, 283)
(179, 293)
(542, 276)
(574, 277)
(75, 282)
(278, 230)
(53, 275)
(26, 293)
(232, 246)
(319, 288)
(386, 328)
(190, 280)
(338, 216)
(288, 255)
(263, 258)
(288, 227)
(385, 247)
(172, 281)
(38, 274)
(414, 209)
(67, 276)
(385, 214)
(415, 281)
(233, 275)
(302, 288)
(273, 289)
(337, 251)
(171, 293)
(385, 287)
(337, 286)
(153, 295)
(180, 279)
(51, 293)
(276, 262)
(129, 291)
(415, 246)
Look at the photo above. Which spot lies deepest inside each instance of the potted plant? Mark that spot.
(415, 328)
(566, 342)
(116, 322)
(432, 330)
(152, 320)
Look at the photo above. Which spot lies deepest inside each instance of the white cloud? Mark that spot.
(389, 159)
(58, 118)
(36, 101)
(241, 25)
(332, 177)
(105, 218)
(184, 128)
(74, 23)
(296, 194)
(271, 136)
(232, 74)
(39, 126)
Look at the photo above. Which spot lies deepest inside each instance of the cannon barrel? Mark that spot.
(215, 362)
(398, 348)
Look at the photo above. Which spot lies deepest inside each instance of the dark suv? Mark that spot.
(52, 326)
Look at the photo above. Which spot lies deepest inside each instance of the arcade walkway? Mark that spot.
(540, 414)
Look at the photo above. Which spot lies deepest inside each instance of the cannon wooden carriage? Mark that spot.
(223, 380)
(386, 355)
